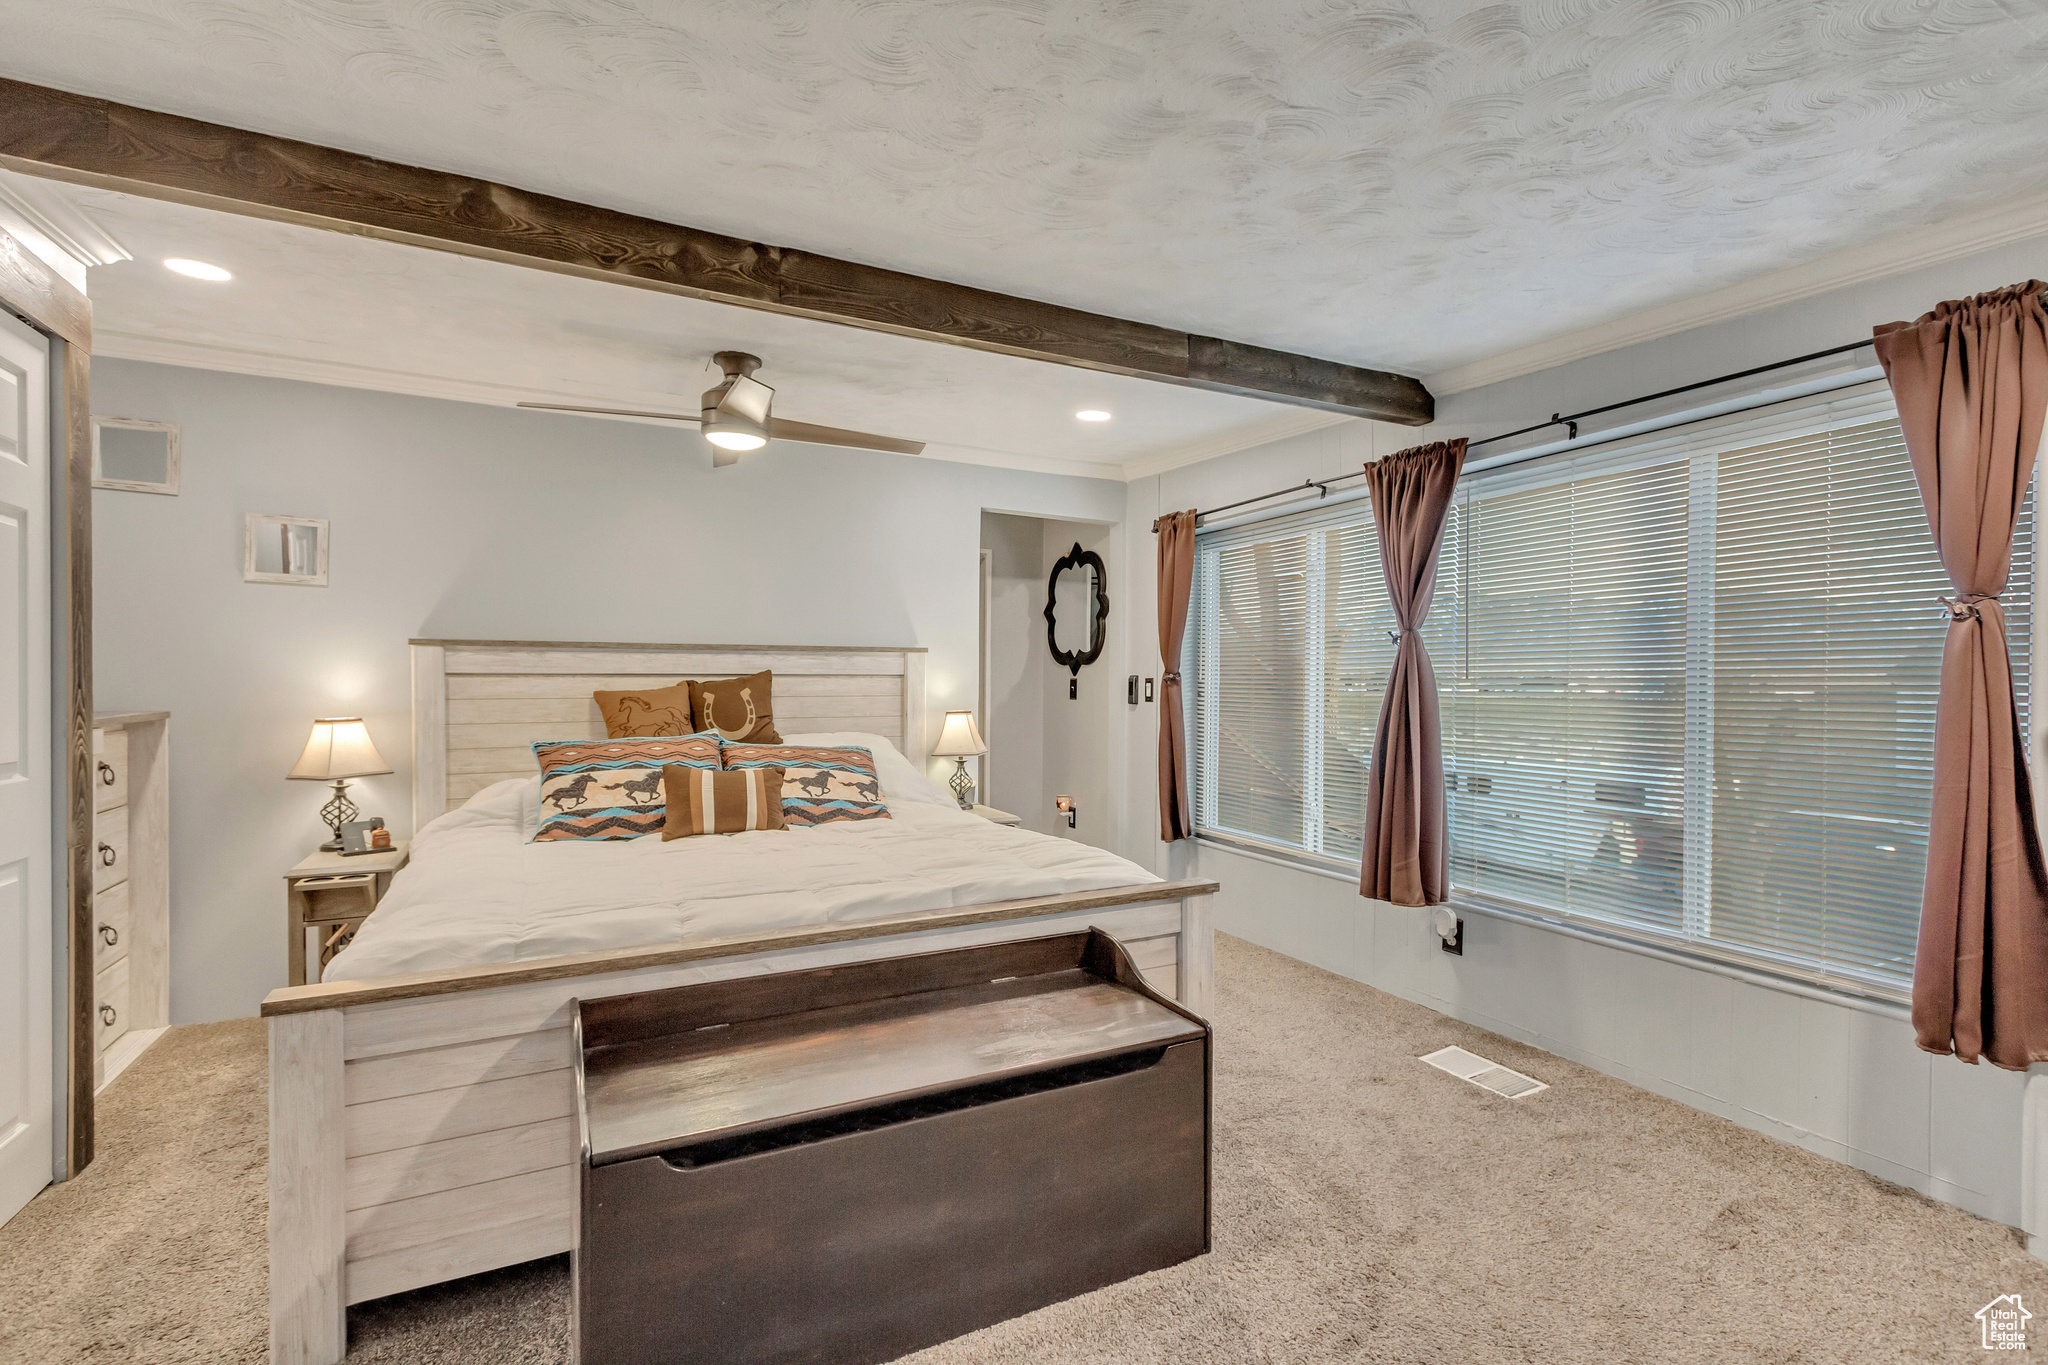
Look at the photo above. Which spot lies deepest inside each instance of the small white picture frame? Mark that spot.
(125, 450)
(282, 549)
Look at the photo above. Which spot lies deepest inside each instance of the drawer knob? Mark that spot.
(109, 935)
(106, 855)
(107, 775)
(107, 1015)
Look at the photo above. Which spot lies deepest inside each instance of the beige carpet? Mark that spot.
(1368, 1208)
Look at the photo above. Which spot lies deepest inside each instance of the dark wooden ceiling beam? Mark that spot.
(96, 142)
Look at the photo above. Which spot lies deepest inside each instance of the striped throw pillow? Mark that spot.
(611, 788)
(705, 802)
(819, 786)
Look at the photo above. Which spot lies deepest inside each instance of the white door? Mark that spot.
(27, 794)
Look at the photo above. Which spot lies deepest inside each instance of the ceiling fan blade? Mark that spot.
(615, 412)
(722, 458)
(782, 429)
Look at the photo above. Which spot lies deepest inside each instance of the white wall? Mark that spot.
(1015, 725)
(456, 520)
(1077, 728)
(1835, 1076)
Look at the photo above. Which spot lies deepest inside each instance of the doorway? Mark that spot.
(1042, 742)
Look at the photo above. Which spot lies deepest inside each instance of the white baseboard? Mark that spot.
(124, 1050)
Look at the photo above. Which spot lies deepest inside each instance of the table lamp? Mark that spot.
(960, 741)
(338, 749)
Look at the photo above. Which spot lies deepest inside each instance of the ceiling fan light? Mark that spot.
(735, 440)
(1092, 415)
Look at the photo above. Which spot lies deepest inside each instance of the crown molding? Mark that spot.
(44, 207)
(200, 355)
(1993, 227)
(1275, 427)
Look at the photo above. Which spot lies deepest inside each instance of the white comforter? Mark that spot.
(476, 891)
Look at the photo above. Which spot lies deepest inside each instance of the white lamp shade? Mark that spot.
(339, 747)
(959, 739)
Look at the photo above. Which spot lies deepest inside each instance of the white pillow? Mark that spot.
(515, 798)
(901, 781)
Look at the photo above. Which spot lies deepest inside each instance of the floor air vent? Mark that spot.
(1470, 1066)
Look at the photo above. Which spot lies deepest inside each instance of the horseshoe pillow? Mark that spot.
(741, 710)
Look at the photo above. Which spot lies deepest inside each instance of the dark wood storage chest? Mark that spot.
(848, 1164)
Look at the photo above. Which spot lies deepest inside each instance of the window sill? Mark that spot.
(1816, 985)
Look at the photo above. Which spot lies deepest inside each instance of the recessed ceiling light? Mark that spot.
(1092, 415)
(198, 270)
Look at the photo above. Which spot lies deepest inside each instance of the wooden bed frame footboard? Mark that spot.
(422, 1127)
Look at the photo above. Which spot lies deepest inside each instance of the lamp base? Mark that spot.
(338, 811)
(962, 784)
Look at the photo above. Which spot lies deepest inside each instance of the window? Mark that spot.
(1687, 686)
(1291, 648)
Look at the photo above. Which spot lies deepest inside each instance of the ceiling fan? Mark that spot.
(736, 419)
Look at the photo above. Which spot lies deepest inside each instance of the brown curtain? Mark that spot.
(1176, 579)
(1407, 849)
(1971, 381)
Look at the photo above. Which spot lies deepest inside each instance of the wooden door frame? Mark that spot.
(46, 301)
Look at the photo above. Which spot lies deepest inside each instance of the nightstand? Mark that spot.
(999, 817)
(334, 895)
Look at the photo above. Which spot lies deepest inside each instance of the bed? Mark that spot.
(421, 1096)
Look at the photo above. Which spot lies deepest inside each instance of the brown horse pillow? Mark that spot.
(648, 712)
(741, 710)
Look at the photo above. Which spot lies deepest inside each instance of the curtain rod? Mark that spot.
(1321, 485)
(1570, 423)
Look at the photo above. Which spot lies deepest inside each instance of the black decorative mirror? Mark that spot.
(1076, 606)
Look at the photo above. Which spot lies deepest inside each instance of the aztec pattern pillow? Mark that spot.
(739, 710)
(611, 788)
(701, 801)
(819, 786)
(649, 711)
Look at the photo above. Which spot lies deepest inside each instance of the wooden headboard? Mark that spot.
(478, 705)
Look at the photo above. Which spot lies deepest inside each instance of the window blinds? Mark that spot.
(1290, 645)
(1825, 665)
(1687, 684)
(1564, 698)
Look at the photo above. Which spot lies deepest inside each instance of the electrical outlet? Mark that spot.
(1450, 928)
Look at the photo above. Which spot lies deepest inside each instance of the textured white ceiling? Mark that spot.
(1408, 184)
(337, 308)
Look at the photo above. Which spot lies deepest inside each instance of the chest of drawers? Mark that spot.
(131, 887)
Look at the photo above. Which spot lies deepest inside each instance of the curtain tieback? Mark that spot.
(1171, 675)
(1964, 605)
